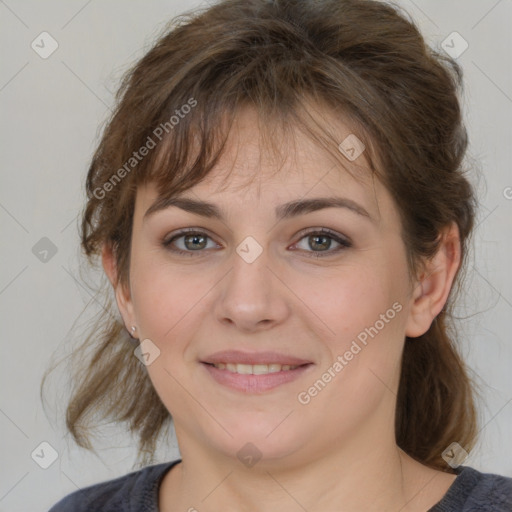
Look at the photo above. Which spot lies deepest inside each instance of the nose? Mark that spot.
(251, 297)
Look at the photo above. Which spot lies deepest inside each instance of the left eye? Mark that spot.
(320, 241)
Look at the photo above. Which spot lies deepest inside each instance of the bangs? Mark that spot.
(196, 145)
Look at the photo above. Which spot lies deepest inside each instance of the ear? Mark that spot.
(122, 294)
(434, 285)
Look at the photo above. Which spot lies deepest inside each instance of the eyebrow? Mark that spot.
(284, 211)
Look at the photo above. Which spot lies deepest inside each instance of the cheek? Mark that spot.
(163, 297)
(171, 303)
(349, 299)
(167, 304)
(162, 307)
(363, 311)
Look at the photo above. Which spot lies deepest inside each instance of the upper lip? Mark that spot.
(240, 357)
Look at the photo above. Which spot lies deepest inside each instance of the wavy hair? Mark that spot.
(362, 60)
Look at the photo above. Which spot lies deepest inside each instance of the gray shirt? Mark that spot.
(471, 491)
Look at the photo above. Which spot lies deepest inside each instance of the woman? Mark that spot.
(280, 206)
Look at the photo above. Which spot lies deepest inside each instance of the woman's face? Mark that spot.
(306, 327)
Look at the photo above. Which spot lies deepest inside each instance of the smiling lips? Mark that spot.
(255, 372)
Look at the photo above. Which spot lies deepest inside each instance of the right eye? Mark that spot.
(192, 241)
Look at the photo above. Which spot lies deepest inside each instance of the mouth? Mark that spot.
(254, 373)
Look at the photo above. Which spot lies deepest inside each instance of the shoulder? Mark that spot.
(137, 491)
(473, 490)
(492, 491)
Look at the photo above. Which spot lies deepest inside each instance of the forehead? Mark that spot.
(255, 169)
(256, 158)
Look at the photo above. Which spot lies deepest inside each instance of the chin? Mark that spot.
(264, 439)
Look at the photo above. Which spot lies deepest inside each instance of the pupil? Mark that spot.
(194, 239)
(326, 239)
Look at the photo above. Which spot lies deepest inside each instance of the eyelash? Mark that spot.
(344, 243)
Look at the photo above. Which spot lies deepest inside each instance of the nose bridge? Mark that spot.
(250, 298)
(249, 282)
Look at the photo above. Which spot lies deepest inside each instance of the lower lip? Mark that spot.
(255, 383)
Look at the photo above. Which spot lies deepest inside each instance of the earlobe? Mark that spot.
(434, 285)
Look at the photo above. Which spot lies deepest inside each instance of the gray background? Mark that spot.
(52, 110)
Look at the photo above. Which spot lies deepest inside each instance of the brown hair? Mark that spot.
(362, 60)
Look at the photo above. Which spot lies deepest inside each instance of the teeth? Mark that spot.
(260, 369)
(254, 369)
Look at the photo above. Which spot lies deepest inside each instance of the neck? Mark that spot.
(373, 476)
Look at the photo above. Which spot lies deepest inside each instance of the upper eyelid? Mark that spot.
(185, 231)
(326, 231)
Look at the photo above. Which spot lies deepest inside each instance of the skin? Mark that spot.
(337, 452)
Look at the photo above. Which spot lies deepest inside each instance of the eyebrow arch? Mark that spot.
(284, 211)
